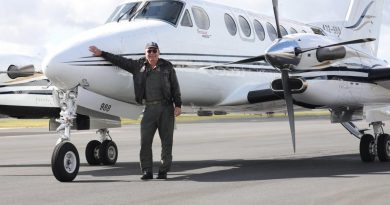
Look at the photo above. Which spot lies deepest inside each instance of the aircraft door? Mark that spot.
(194, 29)
(202, 21)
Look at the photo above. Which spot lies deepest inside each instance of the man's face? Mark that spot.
(152, 55)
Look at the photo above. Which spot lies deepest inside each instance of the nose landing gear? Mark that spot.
(65, 161)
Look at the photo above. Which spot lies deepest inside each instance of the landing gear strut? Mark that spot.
(379, 145)
(65, 161)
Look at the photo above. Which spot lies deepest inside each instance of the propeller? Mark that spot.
(289, 102)
(276, 14)
(250, 60)
(284, 55)
(247, 60)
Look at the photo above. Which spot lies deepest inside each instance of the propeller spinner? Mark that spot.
(283, 53)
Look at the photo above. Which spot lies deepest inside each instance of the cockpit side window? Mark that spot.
(164, 10)
(186, 20)
(123, 12)
(201, 18)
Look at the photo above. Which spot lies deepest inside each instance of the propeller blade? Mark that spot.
(289, 103)
(247, 60)
(276, 14)
(250, 60)
(363, 40)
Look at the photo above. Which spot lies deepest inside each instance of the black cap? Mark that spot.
(151, 45)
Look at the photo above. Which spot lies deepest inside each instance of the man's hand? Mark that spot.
(96, 52)
(177, 111)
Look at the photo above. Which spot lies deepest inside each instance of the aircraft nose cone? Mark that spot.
(60, 71)
(282, 54)
(51, 66)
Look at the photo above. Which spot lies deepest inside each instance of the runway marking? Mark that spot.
(208, 170)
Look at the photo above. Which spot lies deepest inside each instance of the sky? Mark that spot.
(34, 27)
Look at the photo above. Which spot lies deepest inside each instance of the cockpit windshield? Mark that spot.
(124, 12)
(164, 10)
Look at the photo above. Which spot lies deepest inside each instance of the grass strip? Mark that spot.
(13, 123)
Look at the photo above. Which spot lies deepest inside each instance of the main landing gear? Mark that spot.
(371, 146)
(103, 152)
(65, 161)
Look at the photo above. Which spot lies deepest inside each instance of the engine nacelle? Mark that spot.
(17, 72)
(331, 53)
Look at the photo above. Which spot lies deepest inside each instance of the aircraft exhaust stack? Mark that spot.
(297, 85)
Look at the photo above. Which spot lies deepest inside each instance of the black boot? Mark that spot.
(161, 175)
(147, 175)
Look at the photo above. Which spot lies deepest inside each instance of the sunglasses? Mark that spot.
(152, 51)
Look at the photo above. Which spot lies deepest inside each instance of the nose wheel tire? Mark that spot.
(384, 147)
(92, 152)
(108, 152)
(367, 148)
(65, 162)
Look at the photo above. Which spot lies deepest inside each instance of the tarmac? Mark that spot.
(231, 162)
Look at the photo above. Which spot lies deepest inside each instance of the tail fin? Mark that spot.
(363, 20)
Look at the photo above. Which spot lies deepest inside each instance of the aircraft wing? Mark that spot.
(35, 76)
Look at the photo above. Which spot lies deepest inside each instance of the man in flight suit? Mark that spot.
(156, 86)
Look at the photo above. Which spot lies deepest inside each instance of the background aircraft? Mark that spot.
(24, 91)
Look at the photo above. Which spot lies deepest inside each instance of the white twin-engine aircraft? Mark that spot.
(325, 65)
(24, 91)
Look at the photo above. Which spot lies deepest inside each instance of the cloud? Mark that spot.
(386, 12)
(17, 48)
(44, 23)
(299, 10)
